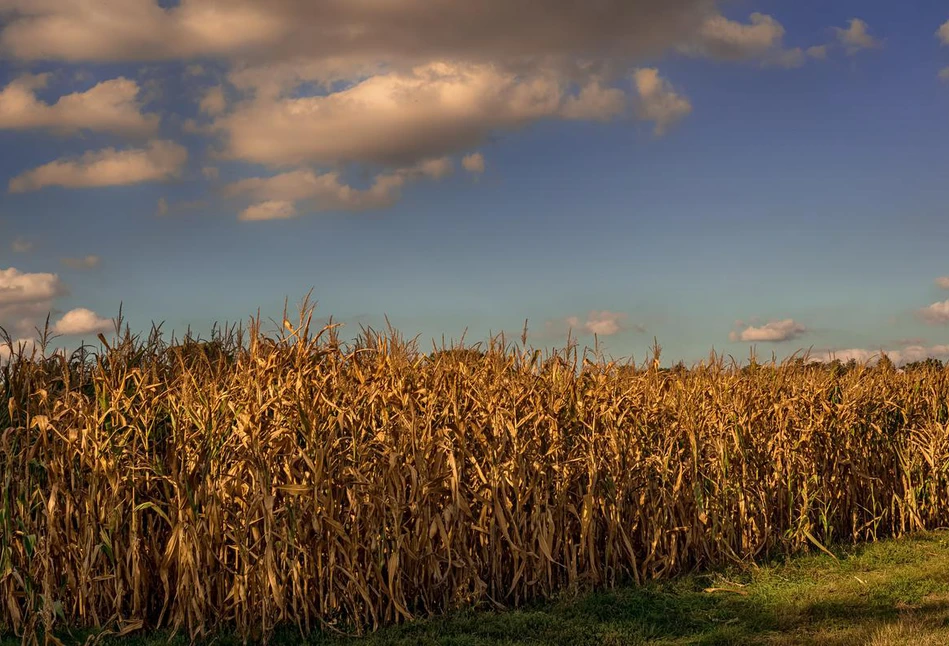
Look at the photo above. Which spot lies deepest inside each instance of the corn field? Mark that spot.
(296, 480)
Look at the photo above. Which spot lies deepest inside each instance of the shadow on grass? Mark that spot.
(882, 594)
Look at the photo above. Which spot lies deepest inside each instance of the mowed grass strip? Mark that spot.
(889, 593)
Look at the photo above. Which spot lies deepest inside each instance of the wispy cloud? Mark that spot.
(108, 167)
(936, 314)
(87, 262)
(279, 195)
(473, 163)
(269, 210)
(601, 323)
(21, 245)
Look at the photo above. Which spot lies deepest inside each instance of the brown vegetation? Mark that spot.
(301, 480)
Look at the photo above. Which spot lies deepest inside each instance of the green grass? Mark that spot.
(883, 594)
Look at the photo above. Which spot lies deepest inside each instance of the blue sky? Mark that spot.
(717, 176)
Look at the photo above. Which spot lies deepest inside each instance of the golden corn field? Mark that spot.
(294, 479)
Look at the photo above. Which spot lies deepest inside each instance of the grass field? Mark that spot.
(890, 593)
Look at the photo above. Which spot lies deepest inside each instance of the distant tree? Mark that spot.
(929, 363)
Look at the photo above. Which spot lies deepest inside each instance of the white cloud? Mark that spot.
(942, 282)
(213, 102)
(277, 195)
(87, 262)
(908, 354)
(473, 163)
(730, 40)
(108, 167)
(658, 100)
(937, 313)
(111, 106)
(599, 322)
(771, 332)
(944, 74)
(82, 321)
(760, 39)
(24, 345)
(398, 118)
(269, 210)
(594, 102)
(943, 33)
(856, 37)
(21, 245)
(26, 298)
(19, 288)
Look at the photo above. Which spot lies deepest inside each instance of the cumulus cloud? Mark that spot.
(473, 163)
(398, 118)
(944, 74)
(943, 33)
(937, 313)
(24, 346)
(20, 288)
(771, 332)
(133, 29)
(25, 298)
(87, 262)
(600, 322)
(357, 31)
(730, 40)
(21, 245)
(760, 39)
(907, 354)
(330, 83)
(856, 37)
(210, 172)
(594, 102)
(269, 210)
(111, 106)
(942, 282)
(658, 100)
(278, 195)
(159, 160)
(82, 321)
(213, 102)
